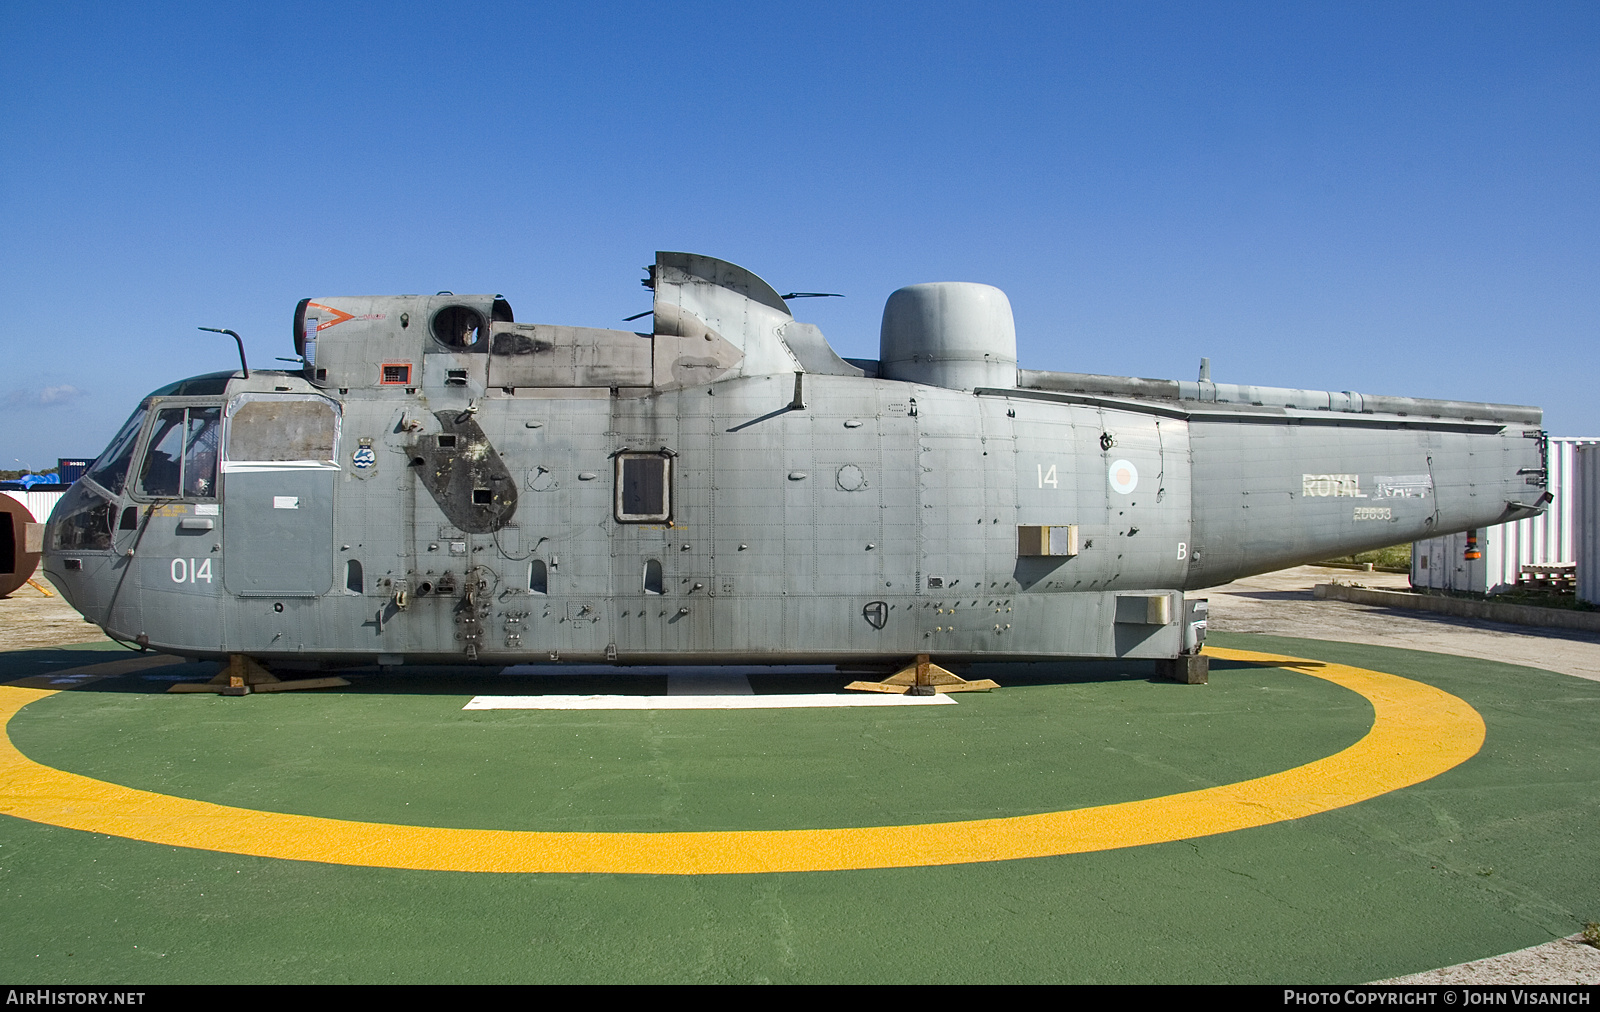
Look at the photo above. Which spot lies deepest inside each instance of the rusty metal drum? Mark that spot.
(21, 540)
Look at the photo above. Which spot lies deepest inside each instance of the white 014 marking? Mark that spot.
(1048, 477)
(185, 571)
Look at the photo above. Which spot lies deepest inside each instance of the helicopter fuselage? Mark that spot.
(542, 494)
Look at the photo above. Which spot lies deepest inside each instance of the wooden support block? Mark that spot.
(303, 683)
(924, 678)
(243, 676)
(878, 687)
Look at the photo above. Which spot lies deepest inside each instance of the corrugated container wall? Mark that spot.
(39, 503)
(1546, 540)
(1586, 522)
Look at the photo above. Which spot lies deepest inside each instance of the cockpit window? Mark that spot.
(163, 461)
(460, 328)
(181, 461)
(201, 445)
(110, 470)
(84, 522)
(209, 385)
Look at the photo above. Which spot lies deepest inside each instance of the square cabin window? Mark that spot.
(644, 488)
(272, 427)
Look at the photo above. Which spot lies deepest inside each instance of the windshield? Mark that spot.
(110, 470)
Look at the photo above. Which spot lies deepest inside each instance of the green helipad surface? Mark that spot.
(1492, 856)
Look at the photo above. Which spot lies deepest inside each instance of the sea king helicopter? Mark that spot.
(438, 483)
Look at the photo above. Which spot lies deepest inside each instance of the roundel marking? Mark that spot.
(1123, 475)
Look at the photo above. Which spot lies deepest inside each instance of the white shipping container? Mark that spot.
(38, 501)
(1546, 540)
(1440, 563)
(1586, 522)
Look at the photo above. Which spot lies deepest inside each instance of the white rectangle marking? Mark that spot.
(775, 702)
(207, 509)
(285, 502)
(263, 466)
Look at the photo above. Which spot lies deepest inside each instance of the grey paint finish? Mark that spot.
(277, 541)
(951, 334)
(869, 519)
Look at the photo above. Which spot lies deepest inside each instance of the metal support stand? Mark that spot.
(243, 676)
(924, 678)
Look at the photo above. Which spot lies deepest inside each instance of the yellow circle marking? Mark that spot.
(1418, 732)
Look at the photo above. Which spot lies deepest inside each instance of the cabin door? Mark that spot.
(278, 479)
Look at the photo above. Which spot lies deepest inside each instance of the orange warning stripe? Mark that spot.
(339, 314)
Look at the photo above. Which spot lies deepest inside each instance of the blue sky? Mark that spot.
(1395, 198)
